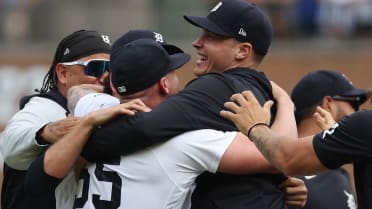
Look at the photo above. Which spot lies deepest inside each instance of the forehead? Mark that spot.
(96, 56)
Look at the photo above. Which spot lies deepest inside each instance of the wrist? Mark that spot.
(255, 126)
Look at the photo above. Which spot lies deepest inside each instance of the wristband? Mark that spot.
(255, 125)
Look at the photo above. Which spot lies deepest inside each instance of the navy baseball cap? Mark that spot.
(140, 64)
(83, 43)
(240, 20)
(133, 35)
(311, 89)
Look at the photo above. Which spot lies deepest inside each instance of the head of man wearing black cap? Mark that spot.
(236, 33)
(144, 69)
(331, 90)
(137, 75)
(80, 58)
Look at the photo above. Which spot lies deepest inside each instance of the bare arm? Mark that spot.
(242, 156)
(54, 131)
(60, 157)
(280, 151)
(76, 92)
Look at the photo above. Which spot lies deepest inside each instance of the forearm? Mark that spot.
(269, 144)
(60, 157)
(75, 93)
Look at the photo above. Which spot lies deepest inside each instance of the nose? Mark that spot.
(198, 42)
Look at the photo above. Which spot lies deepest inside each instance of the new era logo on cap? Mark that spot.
(242, 32)
(67, 51)
(216, 7)
(122, 89)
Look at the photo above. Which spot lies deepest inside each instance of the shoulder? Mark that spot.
(202, 137)
(42, 106)
(94, 101)
(358, 122)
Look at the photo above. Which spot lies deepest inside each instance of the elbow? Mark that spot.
(285, 163)
(288, 166)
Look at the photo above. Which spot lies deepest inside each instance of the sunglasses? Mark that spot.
(94, 67)
(353, 101)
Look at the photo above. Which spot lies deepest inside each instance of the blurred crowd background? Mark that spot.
(309, 35)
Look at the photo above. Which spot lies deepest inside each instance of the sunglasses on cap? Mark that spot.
(353, 101)
(94, 67)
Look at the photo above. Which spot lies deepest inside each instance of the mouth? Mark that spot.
(200, 58)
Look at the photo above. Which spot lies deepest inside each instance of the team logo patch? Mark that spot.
(106, 39)
(158, 37)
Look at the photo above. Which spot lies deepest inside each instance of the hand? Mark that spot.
(56, 130)
(323, 118)
(102, 116)
(295, 191)
(245, 111)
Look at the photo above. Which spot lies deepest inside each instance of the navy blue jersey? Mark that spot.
(330, 188)
(350, 142)
(196, 107)
(39, 187)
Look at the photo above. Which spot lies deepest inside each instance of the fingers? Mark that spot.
(295, 191)
(134, 106)
(323, 118)
(267, 106)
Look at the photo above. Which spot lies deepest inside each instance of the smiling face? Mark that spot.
(214, 53)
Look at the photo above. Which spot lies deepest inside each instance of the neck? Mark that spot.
(308, 127)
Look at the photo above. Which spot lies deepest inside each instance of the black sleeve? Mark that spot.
(196, 107)
(347, 143)
(39, 187)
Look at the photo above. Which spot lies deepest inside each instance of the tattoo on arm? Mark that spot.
(265, 142)
(75, 93)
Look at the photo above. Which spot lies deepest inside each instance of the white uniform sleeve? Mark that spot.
(201, 150)
(94, 101)
(18, 144)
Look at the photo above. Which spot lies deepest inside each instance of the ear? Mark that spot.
(244, 50)
(327, 103)
(61, 73)
(164, 86)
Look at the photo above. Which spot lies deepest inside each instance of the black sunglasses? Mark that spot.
(94, 67)
(353, 101)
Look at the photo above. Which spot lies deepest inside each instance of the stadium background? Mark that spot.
(332, 35)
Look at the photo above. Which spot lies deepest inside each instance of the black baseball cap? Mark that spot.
(147, 34)
(83, 43)
(311, 89)
(140, 64)
(240, 20)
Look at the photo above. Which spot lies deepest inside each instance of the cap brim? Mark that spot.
(178, 60)
(171, 49)
(205, 23)
(363, 94)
